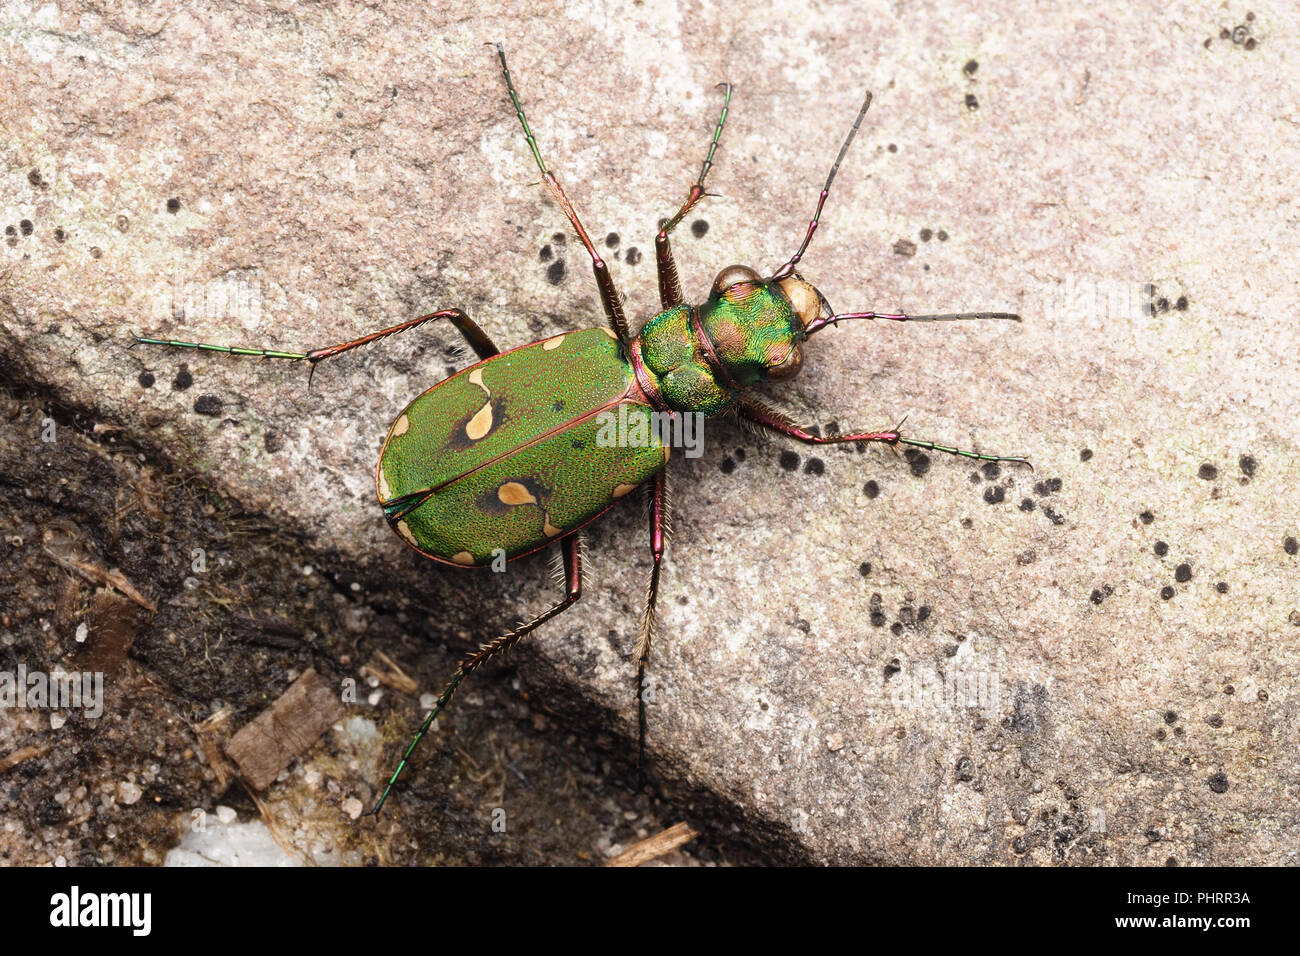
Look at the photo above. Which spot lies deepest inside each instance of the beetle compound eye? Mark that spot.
(788, 367)
(805, 301)
(732, 275)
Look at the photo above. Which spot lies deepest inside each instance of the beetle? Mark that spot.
(506, 457)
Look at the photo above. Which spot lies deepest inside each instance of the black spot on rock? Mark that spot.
(1183, 573)
(970, 67)
(611, 241)
(1161, 549)
(992, 471)
(1146, 517)
(864, 568)
(1290, 545)
(173, 205)
(699, 228)
(1085, 455)
(728, 465)
(871, 489)
(1247, 464)
(26, 227)
(972, 103)
(814, 466)
(208, 405)
(1027, 504)
(146, 379)
(555, 272)
(633, 255)
(1207, 472)
(789, 461)
(1166, 592)
(1218, 783)
(272, 441)
(183, 379)
(918, 463)
(546, 253)
(994, 494)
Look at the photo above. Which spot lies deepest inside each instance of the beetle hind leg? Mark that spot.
(649, 619)
(572, 591)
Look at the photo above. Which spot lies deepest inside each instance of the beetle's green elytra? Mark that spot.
(503, 457)
(508, 455)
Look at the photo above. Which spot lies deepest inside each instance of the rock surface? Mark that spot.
(862, 658)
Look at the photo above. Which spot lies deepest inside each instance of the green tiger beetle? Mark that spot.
(504, 458)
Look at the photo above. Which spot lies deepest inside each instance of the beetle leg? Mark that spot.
(658, 538)
(572, 591)
(608, 294)
(670, 288)
(477, 338)
(769, 417)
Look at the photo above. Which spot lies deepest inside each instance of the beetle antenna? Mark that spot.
(788, 268)
(820, 323)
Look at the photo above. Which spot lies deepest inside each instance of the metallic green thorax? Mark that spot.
(698, 356)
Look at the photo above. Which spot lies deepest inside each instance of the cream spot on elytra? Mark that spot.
(553, 343)
(401, 426)
(515, 493)
(463, 557)
(405, 531)
(480, 424)
(621, 490)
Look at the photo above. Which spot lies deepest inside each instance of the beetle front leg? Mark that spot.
(670, 287)
(769, 417)
(572, 591)
(649, 619)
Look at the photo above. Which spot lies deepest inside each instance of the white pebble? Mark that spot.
(129, 793)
